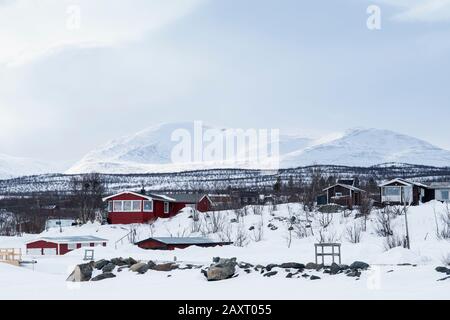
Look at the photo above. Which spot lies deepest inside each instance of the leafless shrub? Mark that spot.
(257, 233)
(353, 232)
(196, 225)
(258, 210)
(325, 219)
(213, 222)
(241, 239)
(394, 241)
(383, 226)
(443, 223)
(325, 236)
(226, 235)
(365, 209)
(8, 224)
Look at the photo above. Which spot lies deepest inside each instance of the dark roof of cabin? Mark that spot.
(183, 240)
(186, 197)
(348, 182)
(346, 186)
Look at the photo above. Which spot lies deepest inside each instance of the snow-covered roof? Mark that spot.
(182, 240)
(345, 186)
(404, 182)
(127, 192)
(440, 185)
(72, 239)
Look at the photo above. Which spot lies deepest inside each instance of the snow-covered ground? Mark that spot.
(384, 280)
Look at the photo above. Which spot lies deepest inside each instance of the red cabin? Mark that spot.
(62, 245)
(131, 207)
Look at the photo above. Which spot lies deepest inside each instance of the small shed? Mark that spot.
(344, 195)
(440, 191)
(62, 245)
(171, 243)
(403, 192)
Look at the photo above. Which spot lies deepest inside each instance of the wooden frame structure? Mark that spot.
(11, 256)
(334, 253)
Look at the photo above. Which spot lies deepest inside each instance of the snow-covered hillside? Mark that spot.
(367, 147)
(261, 236)
(150, 151)
(15, 167)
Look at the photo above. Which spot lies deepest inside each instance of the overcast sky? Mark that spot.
(69, 84)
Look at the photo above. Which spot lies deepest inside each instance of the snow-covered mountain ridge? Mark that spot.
(150, 151)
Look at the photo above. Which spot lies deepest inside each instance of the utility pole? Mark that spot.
(407, 228)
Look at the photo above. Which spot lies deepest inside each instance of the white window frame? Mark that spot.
(151, 206)
(166, 209)
(114, 205)
(447, 191)
(122, 205)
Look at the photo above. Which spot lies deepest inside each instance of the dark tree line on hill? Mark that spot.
(29, 213)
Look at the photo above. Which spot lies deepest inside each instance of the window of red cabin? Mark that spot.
(127, 206)
(166, 207)
(148, 206)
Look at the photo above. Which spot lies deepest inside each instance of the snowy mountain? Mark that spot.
(151, 151)
(368, 147)
(11, 167)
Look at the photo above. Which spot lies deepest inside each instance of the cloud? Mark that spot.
(30, 29)
(421, 10)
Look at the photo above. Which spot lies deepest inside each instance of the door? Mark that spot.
(34, 252)
(50, 252)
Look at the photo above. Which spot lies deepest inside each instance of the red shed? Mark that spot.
(62, 245)
(172, 243)
(131, 207)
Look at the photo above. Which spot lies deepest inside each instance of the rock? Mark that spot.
(140, 267)
(216, 259)
(270, 274)
(311, 266)
(119, 262)
(289, 275)
(344, 267)
(443, 279)
(314, 278)
(251, 228)
(404, 264)
(292, 265)
(305, 275)
(221, 270)
(103, 276)
(151, 264)
(359, 265)
(259, 267)
(442, 269)
(108, 268)
(354, 273)
(143, 269)
(165, 267)
(335, 268)
(100, 264)
(121, 268)
(245, 265)
(269, 267)
(327, 271)
(82, 272)
(234, 221)
(248, 270)
(130, 261)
